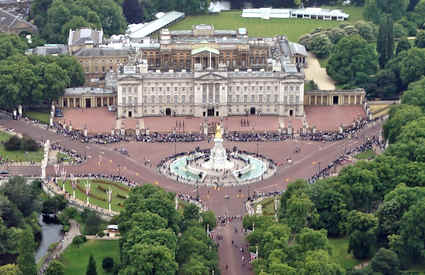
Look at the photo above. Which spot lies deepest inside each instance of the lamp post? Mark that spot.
(88, 185)
(258, 144)
(109, 192)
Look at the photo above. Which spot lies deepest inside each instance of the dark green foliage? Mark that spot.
(386, 262)
(151, 242)
(79, 240)
(385, 43)
(108, 264)
(55, 268)
(26, 143)
(93, 223)
(415, 94)
(53, 204)
(132, 11)
(403, 45)
(420, 39)
(26, 249)
(91, 267)
(55, 18)
(13, 144)
(361, 228)
(352, 61)
(321, 46)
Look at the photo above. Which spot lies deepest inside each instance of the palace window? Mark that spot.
(245, 98)
(252, 98)
(152, 99)
(176, 99)
(260, 98)
(276, 98)
(183, 98)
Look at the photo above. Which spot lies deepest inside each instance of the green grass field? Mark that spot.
(98, 194)
(43, 117)
(292, 28)
(19, 155)
(76, 259)
(339, 253)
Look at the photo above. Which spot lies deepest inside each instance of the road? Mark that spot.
(105, 159)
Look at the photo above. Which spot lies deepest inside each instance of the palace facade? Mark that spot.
(213, 93)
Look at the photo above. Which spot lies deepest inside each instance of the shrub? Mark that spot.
(101, 234)
(108, 264)
(79, 240)
(13, 144)
(28, 144)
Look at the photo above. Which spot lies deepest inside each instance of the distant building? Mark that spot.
(84, 38)
(140, 31)
(49, 49)
(10, 23)
(96, 62)
(203, 47)
(87, 97)
(306, 13)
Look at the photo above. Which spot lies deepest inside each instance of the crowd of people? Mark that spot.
(327, 170)
(73, 156)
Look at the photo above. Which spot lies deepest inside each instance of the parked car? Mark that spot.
(58, 113)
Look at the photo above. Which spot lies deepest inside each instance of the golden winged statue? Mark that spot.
(218, 131)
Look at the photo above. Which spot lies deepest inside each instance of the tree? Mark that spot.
(366, 30)
(300, 211)
(79, 240)
(149, 259)
(321, 46)
(91, 267)
(132, 11)
(412, 232)
(403, 45)
(420, 39)
(11, 44)
(399, 116)
(20, 194)
(330, 205)
(362, 233)
(10, 269)
(13, 143)
(415, 94)
(108, 264)
(351, 60)
(386, 262)
(26, 247)
(385, 43)
(412, 67)
(396, 8)
(55, 268)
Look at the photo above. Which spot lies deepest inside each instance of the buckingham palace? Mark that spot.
(205, 72)
(211, 93)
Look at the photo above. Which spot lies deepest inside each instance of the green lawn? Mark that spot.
(98, 194)
(292, 28)
(76, 259)
(19, 155)
(43, 117)
(339, 253)
(268, 206)
(369, 154)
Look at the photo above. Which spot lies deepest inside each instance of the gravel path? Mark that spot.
(318, 74)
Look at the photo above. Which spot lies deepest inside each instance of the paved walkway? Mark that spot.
(303, 166)
(74, 230)
(318, 74)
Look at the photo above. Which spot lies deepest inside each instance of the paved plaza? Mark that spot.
(100, 120)
(140, 166)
